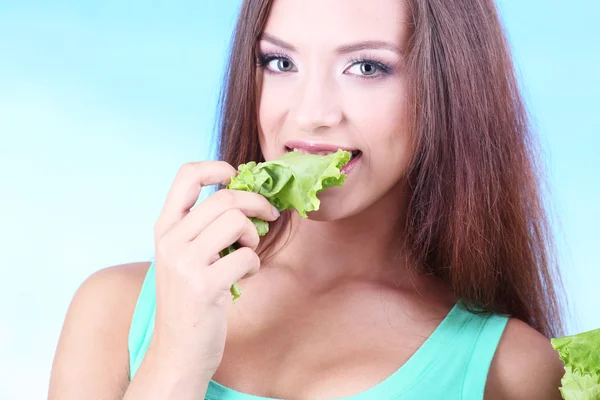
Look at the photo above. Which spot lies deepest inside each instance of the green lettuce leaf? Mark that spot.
(290, 182)
(581, 355)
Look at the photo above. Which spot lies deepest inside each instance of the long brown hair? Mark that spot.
(476, 216)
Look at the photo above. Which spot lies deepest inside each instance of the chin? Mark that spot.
(335, 207)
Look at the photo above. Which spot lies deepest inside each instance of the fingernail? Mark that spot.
(275, 212)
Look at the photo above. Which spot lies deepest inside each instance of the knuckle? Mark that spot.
(254, 238)
(235, 218)
(239, 217)
(225, 197)
(207, 172)
(188, 168)
(248, 256)
(164, 246)
(239, 222)
(225, 166)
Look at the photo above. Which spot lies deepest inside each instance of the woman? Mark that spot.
(427, 276)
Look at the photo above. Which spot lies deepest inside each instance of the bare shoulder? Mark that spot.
(525, 366)
(92, 354)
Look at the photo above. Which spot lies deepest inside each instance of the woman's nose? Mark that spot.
(318, 105)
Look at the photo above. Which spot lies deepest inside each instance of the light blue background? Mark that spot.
(102, 101)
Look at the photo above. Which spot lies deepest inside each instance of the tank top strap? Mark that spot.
(142, 323)
(483, 349)
(453, 363)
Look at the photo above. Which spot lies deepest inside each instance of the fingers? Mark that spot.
(240, 264)
(186, 188)
(250, 204)
(230, 227)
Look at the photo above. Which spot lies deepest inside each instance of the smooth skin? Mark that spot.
(330, 322)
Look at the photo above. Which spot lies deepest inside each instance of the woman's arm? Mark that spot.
(92, 358)
(525, 366)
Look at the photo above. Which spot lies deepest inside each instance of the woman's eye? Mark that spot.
(364, 68)
(280, 65)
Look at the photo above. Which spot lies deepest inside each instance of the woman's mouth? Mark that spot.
(354, 158)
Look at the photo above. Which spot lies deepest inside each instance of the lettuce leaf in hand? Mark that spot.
(290, 182)
(581, 355)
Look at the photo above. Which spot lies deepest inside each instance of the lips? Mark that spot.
(351, 164)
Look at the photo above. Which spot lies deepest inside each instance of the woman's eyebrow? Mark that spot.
(346, 48)
(368, 45)
(277, 42)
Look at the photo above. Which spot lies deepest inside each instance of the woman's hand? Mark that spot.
(192, 282)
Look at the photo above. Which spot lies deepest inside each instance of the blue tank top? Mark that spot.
(452, 364)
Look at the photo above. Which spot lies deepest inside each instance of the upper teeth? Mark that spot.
(305, 151)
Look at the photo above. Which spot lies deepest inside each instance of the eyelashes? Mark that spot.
(263, 59)
(371, 66)
(363, 60)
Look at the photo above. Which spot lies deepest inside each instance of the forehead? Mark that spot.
(332, 22)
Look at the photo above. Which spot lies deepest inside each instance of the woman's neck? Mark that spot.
(366, 247)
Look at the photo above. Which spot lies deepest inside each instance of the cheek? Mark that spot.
(381, 120)
(271, 116)
(395, 145)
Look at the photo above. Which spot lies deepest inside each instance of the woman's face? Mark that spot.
(332, 77)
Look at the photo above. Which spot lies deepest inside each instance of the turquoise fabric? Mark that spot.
(453, 362)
